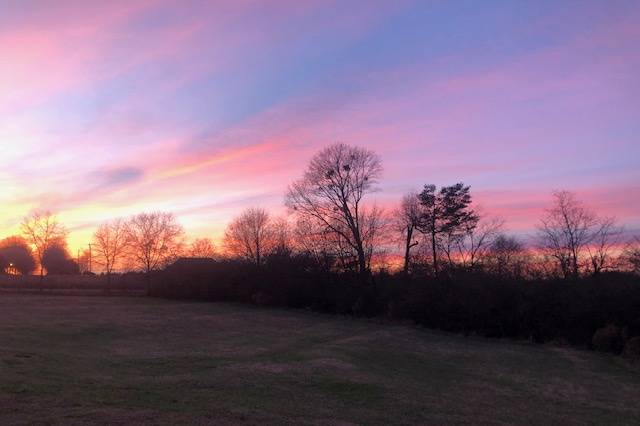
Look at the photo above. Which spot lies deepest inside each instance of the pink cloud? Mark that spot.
(432, 121)
(52, 48)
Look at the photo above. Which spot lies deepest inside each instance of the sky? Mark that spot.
(205, 108)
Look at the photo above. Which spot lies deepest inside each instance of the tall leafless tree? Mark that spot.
(331, 193)
(41, 229)
(473, 245)
(407, 220)
(565, 231)
(154, 240)
(110, 243)
(250, 235)
(604, 241)
(375, 232)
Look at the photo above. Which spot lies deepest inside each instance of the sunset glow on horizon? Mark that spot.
(205, 108)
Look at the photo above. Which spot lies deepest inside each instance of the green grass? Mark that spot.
(86, 360)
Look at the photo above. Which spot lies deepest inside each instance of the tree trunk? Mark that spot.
(405, 269)
(148, 281)
(407, 250)
(435, 254)
(108, 289)
(362, 260)
(574, 265)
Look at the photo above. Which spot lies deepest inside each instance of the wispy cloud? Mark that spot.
(207, 107)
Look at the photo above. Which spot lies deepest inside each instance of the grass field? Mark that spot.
(86, 360)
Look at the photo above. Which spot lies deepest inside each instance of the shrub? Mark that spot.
(261, 299)
(608, 339)
(589, 312)
(632, 349)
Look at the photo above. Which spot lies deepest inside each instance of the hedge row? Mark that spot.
(600, 312)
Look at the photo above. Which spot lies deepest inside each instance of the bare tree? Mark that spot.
(154, 240)
(632, 255)
(250, 235)
(85, 260)
(375, 231)
(506, 256)
(475, 243)
(310, 239)
(407, 220)
(111, 243)
(282, 235)
(331, 193)
(566, 229)
(605, 239)
(41, 229)
(203, 247)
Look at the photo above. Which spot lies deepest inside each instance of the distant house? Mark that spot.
(191, 264)
(188, 270)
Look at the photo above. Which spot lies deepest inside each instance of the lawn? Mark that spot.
(86, 360)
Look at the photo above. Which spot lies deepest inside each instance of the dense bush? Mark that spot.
(608, 339)
(590, 312)
(632, 349)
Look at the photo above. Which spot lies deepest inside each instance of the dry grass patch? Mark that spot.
(87, 360)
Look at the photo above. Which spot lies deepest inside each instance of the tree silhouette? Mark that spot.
(57, 261)
(375, 233)
(282, 235)
(331, 193)
(250, 235)
(472, 246)
(632, 255)
(506, 256)
(155, 239)
(565, 230)
(17, 253)
(202, 247)
(407, 220)
(445, 213)
(602, 245)
(316, 241)
(110, 241)
(41, 229)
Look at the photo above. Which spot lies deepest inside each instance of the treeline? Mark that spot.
(599, 312)
(432, 232)
(145, 242)
(436, 259)
(459, 272)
